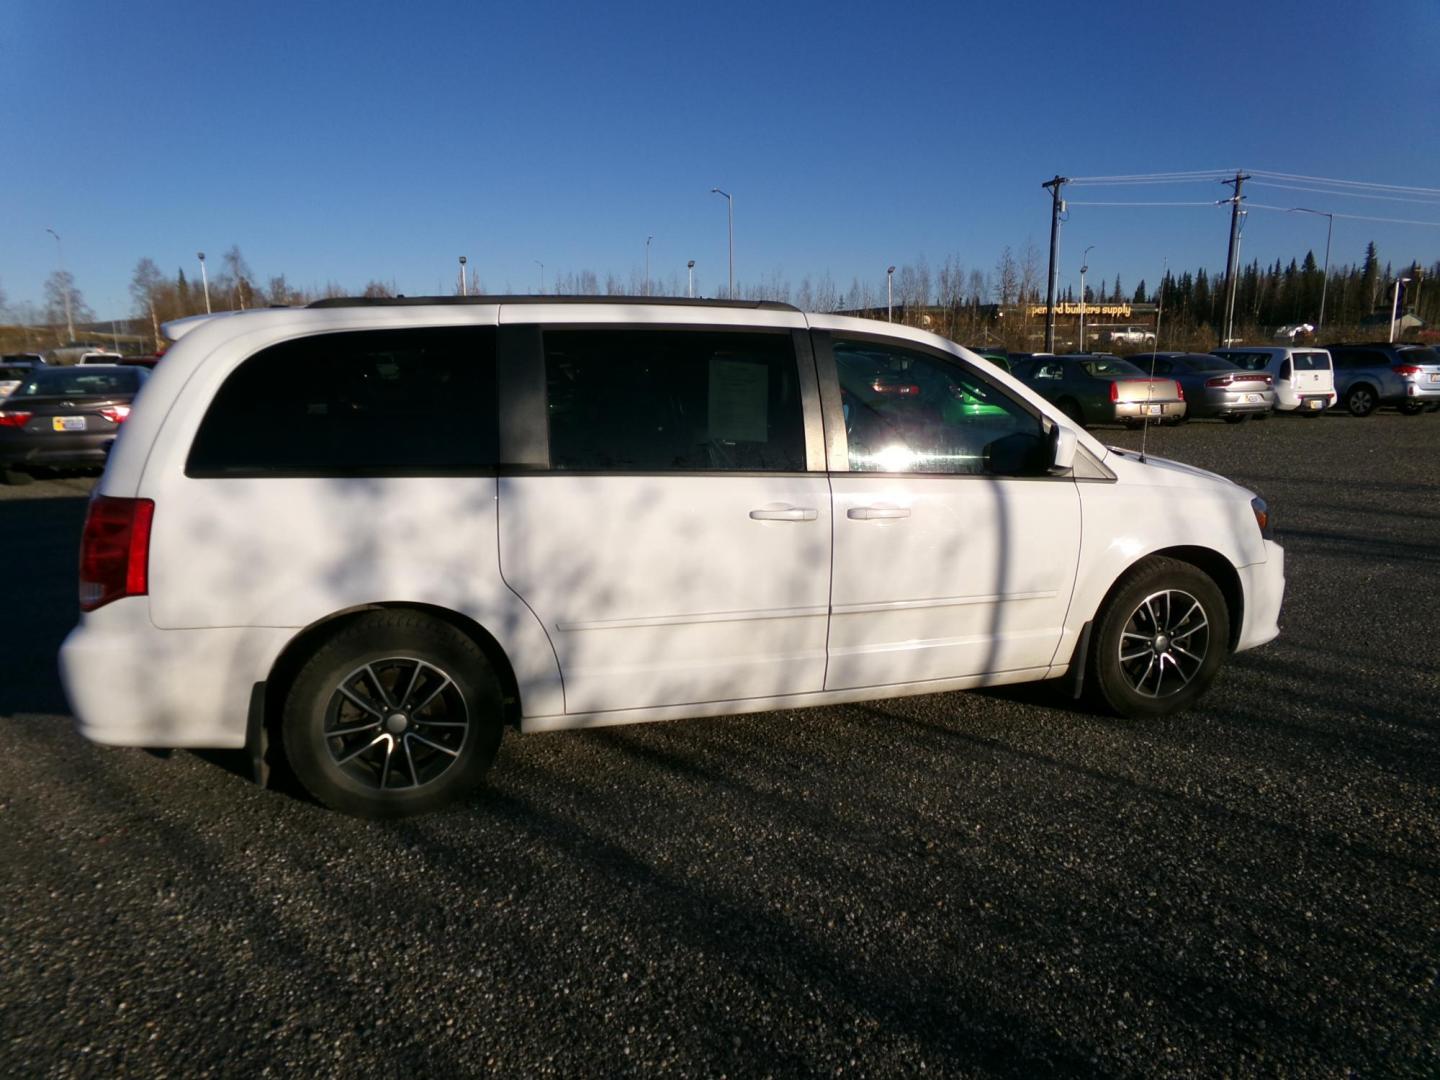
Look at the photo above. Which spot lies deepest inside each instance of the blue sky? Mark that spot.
(368, 141)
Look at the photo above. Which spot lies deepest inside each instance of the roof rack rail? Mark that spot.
(669, 301)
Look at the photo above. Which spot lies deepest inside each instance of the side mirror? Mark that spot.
(1063, 446)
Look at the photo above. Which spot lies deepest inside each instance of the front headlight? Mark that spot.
(1263, 518)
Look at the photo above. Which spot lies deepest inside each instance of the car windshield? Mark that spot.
(1209, 363)
(1106, 368)
(1252, 361)
(1420, 356)
(1312, 361)
(73, 382)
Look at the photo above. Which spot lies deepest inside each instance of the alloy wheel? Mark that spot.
(396, 724)
(1164, 643)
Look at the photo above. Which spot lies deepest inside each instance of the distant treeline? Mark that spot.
(960, 301)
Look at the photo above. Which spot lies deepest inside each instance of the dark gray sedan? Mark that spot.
(1215, 386)
(65, 416)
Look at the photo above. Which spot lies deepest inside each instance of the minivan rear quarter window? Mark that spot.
(382, 402)
(673, 400)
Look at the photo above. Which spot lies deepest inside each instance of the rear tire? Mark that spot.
(1360, 400)
(396, 714)
(1159, 640)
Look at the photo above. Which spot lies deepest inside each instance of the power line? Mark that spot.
(1352, 217)
(1212, 202)
(1347, 183)
(1348, 194)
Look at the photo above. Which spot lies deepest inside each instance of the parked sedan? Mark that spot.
(65, 416)
(1097, 389)
(1216, 387)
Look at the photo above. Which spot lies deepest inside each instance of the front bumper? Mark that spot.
(1264, 587)
(130, 683)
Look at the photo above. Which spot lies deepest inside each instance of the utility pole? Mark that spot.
(647, 265)
(690, 266)
(1084, 266)
(1228, 323)
(69, 316)
(1053, 186)
(464, 290)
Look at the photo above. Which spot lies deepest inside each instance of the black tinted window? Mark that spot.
(659, 400)
(417, 401)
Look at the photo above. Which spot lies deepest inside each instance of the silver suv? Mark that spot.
(1371, 375)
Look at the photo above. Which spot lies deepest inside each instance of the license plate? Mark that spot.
(1252, 397)
(1435, 378)
(68, 423)
(1153, 410)
(1314, 404)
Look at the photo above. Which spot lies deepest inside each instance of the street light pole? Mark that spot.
(647, 265)
(542, 276)
(65, 282)
(1325, 274)
(730, 205)
(1395, 305)
(464, 289)
(690, 266)
(204, 280)
(889, 293)
(1084, 266)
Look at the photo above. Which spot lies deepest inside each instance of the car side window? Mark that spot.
(664, 400)
(416, 401)
(912, 412)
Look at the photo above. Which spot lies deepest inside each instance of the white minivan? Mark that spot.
(1304, 376)
(373, 534)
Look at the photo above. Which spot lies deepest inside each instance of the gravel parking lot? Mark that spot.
(968, 884)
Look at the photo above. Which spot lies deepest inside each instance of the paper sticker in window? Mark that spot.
(739, 393)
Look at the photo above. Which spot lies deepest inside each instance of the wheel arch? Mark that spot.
(300, 647)
(1209, 562)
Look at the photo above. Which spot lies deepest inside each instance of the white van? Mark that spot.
(382, 531)
(1304, 376)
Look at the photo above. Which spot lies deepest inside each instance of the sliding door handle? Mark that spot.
(785, 513)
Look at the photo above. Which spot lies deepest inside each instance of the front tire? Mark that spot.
(396, 714)
(1159, 641)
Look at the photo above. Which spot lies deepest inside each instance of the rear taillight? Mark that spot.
(1405, 369)
(1114, 390)
(1220, 380)
(115, 550)
(1179, 391)
(116, 414)
(1269, 380)
(14, 419)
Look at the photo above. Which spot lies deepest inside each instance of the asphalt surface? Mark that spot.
(989, 884)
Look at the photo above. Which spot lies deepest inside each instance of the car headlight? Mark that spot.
(1263, 518)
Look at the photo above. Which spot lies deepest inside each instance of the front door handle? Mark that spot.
(877, 513)
(786, 513)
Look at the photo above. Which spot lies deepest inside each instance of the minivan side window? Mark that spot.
(908, 411)
(672, 400)
(374, 402)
